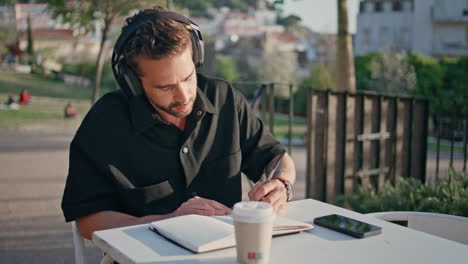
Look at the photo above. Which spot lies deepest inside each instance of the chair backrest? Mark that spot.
(451, 227)
(78, 244)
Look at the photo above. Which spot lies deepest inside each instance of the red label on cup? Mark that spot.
(254, 255)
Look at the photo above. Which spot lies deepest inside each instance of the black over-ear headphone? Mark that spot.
(126, 78)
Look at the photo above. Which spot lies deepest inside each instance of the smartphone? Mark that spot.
(348, 226)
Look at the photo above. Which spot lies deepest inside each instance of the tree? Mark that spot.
(289, 21)
(226, 68)
(201, 7)
(30, 47)
(320, 78)
(84, 14)
(8, 33)
(344, 54)
(454, 100)
(430, 80)
(280, 67)
(363, 68)
(392, 74)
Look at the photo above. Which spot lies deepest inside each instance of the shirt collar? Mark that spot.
(143, 114)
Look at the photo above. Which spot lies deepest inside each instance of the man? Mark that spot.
(176, 147)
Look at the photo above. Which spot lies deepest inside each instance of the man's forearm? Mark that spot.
(286, 168)
(111, 219)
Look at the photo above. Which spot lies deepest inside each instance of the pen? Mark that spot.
(275, 166)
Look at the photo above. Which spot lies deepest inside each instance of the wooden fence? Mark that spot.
(362, 138)
(353, 138)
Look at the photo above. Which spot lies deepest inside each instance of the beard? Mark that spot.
(172, 108)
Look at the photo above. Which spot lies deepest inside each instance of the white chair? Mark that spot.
(451, 227)
(78, 243)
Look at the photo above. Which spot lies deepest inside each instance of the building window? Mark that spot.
(397, 5)
(362, 6)
(378, 6)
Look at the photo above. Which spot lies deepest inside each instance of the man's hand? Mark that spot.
(201, 206)
(111, 219)
(273, 192)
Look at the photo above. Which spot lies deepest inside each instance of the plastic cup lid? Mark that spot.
(251, 211)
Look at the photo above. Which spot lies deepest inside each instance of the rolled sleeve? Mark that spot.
(87, 190)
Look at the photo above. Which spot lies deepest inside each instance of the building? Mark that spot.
(428, 27)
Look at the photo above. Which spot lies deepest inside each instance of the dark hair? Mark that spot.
(154, 39)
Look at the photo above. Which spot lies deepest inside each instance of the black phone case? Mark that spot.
(346, 231)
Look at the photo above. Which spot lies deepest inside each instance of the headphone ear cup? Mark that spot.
(197, 45)
(196, 57)
(129, 81)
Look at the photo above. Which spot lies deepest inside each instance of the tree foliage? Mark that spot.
(363, 66)
(200, 7)
(85, 13)
(320, 78)
(226, 68)
(430, 80)
(443, 82)
(289, 21)
(455, 102)
(392, 74)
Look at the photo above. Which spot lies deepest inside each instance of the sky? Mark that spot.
(321, 15)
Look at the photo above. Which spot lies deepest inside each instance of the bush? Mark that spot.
(447, 196)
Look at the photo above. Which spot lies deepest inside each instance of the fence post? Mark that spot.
(309, 144)
(383, 109)
(321, 147)
(340, 147)
(420, 132)
(350, 124)
(465, 136)
(453, 125)
(358, 145)
(439, 130)
(291, 116)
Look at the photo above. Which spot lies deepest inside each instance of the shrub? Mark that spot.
(447, 196)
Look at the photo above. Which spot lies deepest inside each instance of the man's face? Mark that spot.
(170, 84)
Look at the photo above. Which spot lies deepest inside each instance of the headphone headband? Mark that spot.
(126, 78)
(132, 27)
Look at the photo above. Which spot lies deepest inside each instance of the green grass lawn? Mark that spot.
(444, 147)
(42, 86)
(48, 99)
(41, 111)
(281, 123)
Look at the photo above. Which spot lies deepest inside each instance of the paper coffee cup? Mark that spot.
(253, 223)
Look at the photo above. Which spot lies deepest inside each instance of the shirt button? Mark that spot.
(199, 113)
(185, 150)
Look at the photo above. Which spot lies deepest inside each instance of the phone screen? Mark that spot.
(347, 225)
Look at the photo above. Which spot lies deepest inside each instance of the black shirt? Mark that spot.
(125, 158)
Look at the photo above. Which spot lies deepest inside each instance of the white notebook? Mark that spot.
(199, 233)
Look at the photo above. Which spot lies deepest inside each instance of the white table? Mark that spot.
(396, 244)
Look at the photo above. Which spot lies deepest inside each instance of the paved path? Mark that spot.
(33, 169)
